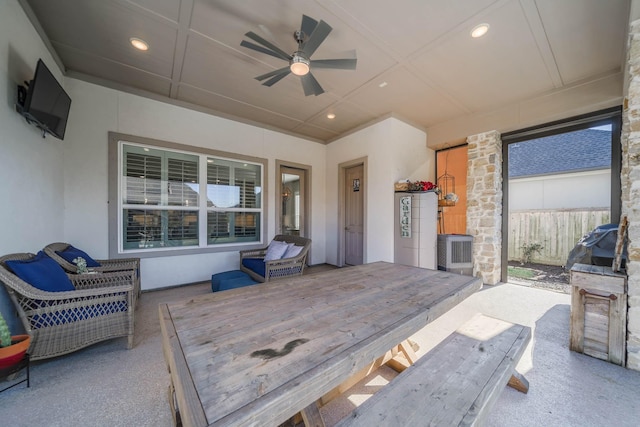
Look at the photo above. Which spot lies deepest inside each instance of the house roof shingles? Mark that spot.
(586, 149)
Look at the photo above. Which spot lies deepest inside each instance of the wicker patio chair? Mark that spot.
(106, 265)
(276, 269)
(101, 308)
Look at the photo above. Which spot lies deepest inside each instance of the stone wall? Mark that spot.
(630, 177)
(484, 204)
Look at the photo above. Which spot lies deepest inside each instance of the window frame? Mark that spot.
(612, 116)
(116, 204)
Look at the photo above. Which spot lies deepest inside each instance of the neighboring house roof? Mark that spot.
(587, 149)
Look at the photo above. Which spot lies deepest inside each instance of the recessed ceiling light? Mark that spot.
(479, 30)
(139, 43)
(331, 116)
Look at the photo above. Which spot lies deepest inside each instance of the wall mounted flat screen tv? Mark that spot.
(44, 103)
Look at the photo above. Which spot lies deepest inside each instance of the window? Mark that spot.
(177, 199)
(233, 201)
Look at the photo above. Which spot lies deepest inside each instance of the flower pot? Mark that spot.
(445, 202)
(15, 352)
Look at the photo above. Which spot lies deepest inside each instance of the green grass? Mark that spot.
(519, 272)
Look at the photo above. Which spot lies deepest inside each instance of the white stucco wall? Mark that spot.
(394, 150)
(31, 167)
(31, 170)
(578, 190)
(97, 110)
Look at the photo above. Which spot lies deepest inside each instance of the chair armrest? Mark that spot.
(117, 264)
(120, 264)
(253, 253)
(124, 278)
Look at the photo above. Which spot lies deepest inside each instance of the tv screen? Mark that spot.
(46, 103)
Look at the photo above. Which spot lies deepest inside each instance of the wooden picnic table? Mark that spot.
(256, 356)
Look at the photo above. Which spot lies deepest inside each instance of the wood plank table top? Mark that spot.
(258, 355)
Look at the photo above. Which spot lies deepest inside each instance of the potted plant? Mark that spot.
(12, 348)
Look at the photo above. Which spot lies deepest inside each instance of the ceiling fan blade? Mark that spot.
(281, 53)
(275, 79)
(267, 32)
(310, 85)
(316, 38)
(261, 49)
(284, 70)
(339, 64)
(308, 25)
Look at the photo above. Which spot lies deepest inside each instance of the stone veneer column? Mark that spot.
(630, 177)
(484, 204)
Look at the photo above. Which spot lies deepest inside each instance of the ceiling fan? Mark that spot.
(309, 37)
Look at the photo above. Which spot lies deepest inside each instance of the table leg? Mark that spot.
(403, 356)
(311, 416)
(356, 378)
(407, 350)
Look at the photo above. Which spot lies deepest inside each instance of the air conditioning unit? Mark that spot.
(455, 253)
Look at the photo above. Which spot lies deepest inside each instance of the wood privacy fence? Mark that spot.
(557, 231)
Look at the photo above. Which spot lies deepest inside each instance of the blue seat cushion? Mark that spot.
(256, 265)
(238, 282)
(72, 253)
(42, 272)
(218, 278)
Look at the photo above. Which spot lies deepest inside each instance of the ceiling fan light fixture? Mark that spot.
(299, 65)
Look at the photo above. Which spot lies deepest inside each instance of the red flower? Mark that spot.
(423, 186)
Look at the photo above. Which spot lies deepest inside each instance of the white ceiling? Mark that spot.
(433, 69)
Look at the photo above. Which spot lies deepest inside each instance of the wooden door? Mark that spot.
(354, 215)
(453, 162)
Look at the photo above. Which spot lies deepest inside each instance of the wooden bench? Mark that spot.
(456, 383)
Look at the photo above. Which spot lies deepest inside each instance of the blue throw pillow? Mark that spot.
(72, 253)
(43, 273)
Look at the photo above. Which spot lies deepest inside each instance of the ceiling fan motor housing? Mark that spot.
(300, 36)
